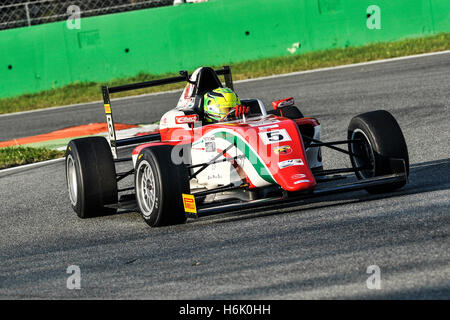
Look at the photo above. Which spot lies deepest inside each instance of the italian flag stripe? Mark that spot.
(244, 147)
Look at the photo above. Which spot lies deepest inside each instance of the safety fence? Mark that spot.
(14, 14)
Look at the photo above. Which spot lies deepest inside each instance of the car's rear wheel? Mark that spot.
(91, 177)
(159, 184)
(381, 140)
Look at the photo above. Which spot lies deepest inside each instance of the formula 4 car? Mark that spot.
(189, 168)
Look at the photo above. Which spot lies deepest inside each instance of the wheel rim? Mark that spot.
(146, 192)
(364, 156)
(72, 182)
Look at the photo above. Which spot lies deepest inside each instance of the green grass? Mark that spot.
(87, 92)
(16, 156)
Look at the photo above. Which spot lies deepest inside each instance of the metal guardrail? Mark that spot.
(20, 13)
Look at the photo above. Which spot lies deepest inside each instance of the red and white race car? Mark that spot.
(189, 168)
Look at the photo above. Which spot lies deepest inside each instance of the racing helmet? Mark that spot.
(218, 103)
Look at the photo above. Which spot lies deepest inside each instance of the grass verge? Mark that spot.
(16, 156)
(87, 92)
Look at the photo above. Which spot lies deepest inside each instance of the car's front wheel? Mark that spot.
(380, 140)
(159, 184)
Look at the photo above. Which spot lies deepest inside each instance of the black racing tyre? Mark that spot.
(290, 112)
(91, 177)
(159, 183)
(382, 140)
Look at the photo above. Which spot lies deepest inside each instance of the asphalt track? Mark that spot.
(318, 249)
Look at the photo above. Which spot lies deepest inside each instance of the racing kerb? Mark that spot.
(216, 32)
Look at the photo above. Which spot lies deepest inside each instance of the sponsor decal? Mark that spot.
(264, 122)
(268, 127)
(190, 103)
(111, 132)
(298, 176)
(274, 136)
(191, 118)
(189, 203)
(290, 163)
(301, 181)
(209, 141)
(215, 177)
(283, 150)
(210, 146)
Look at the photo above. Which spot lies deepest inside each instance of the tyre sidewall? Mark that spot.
(79, 204)
(386, 140)
(95, 175)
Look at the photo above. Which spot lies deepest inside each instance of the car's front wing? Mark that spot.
(400, 175)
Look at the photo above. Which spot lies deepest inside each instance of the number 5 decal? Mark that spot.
(274, 136)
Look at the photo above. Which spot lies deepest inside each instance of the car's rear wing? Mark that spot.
(106, 91)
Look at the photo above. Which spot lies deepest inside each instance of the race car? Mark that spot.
(190, 168)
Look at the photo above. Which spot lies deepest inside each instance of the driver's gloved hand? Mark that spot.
(239, 111)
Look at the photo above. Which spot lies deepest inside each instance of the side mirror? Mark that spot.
(283, 103)
(185, 74)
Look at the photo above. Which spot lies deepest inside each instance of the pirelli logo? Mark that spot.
(189, 203)
(107, 108)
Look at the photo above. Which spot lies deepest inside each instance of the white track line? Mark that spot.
(345, 66)
(29, 166)
(242, 81)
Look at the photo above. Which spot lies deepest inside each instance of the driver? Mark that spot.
(223, 103)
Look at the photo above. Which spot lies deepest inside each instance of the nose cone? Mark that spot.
(295, 175)
(287, 158)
